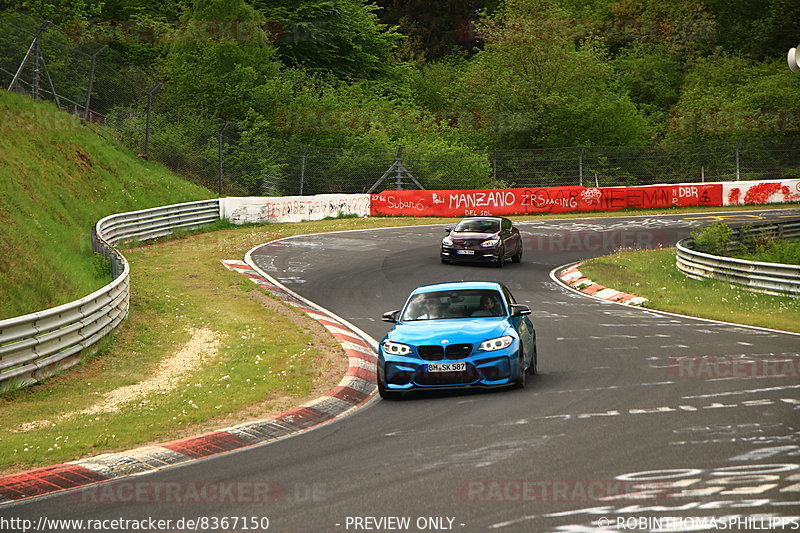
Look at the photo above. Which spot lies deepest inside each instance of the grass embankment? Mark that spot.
(653, 275)
(57, 179)
(239, 354)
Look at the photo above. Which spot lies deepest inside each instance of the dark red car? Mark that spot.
(482, 239)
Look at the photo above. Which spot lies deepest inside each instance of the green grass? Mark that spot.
(652, 274)
(57, 178)
(270, 357)
(775, 251)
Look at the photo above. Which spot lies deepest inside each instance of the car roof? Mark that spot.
(482, 218)
(459, 285)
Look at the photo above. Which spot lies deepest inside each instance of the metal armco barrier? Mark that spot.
(772, 278)
(38, 345)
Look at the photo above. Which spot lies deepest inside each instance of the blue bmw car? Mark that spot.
(457, 335)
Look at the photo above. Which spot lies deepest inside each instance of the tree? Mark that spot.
(220, 55)
(540, 88)
(758, 29)
(435, 29)
(727, 96)
(339, 37)
(60, 11)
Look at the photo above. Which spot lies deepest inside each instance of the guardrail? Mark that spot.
(771, 278)
(38, 345)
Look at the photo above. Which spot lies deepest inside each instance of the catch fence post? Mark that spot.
(91, 80)
(738, 145)
(399, 165)
(219, 156)
(303, 167)
(147, 120)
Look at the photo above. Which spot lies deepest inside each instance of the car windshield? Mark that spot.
(454, 304)
(479, 225)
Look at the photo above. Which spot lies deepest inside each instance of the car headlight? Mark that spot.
(447, 241)
(490, 242)
(395, 348)
(496, 344)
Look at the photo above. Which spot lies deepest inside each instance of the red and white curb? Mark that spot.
(573, 277)
(355, 389)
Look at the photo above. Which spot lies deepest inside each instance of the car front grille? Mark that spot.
(437, 353)
(431, 353)
(458, 351)
(468, 244)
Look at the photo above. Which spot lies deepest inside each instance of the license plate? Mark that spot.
(447, 367)
(465, 252)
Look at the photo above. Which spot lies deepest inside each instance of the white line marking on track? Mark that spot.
(740, 392)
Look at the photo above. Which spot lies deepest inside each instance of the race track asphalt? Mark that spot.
(635, 416)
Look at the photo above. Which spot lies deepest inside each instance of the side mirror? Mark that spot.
(520, 310)
(448, 230)
(391, 316)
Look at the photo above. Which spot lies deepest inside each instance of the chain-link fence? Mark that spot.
(96, 82)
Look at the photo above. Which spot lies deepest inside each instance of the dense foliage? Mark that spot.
(450, 77)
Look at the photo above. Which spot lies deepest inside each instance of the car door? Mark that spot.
(509, 246)
(523, 325)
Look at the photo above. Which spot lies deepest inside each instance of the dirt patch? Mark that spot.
(82, 160)
(330, 359)
(203, 345)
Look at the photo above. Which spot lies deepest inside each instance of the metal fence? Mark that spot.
(38, 345)
(772, 278)
(96, 82)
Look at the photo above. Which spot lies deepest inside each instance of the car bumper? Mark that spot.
(484, 371)
(490, 255)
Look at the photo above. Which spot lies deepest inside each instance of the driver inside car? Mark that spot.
(431, 309)
(488, 306)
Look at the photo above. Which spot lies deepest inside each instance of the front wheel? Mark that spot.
(519, 382)
(388, 394)
(534, 368)
(501, 259)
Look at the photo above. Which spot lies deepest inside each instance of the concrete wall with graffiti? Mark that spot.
(257, 210)
(760, 192)
(580, 199)
(501, 202)
(542, 200)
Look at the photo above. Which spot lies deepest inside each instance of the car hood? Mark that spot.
(456, 331)
(471, 235)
